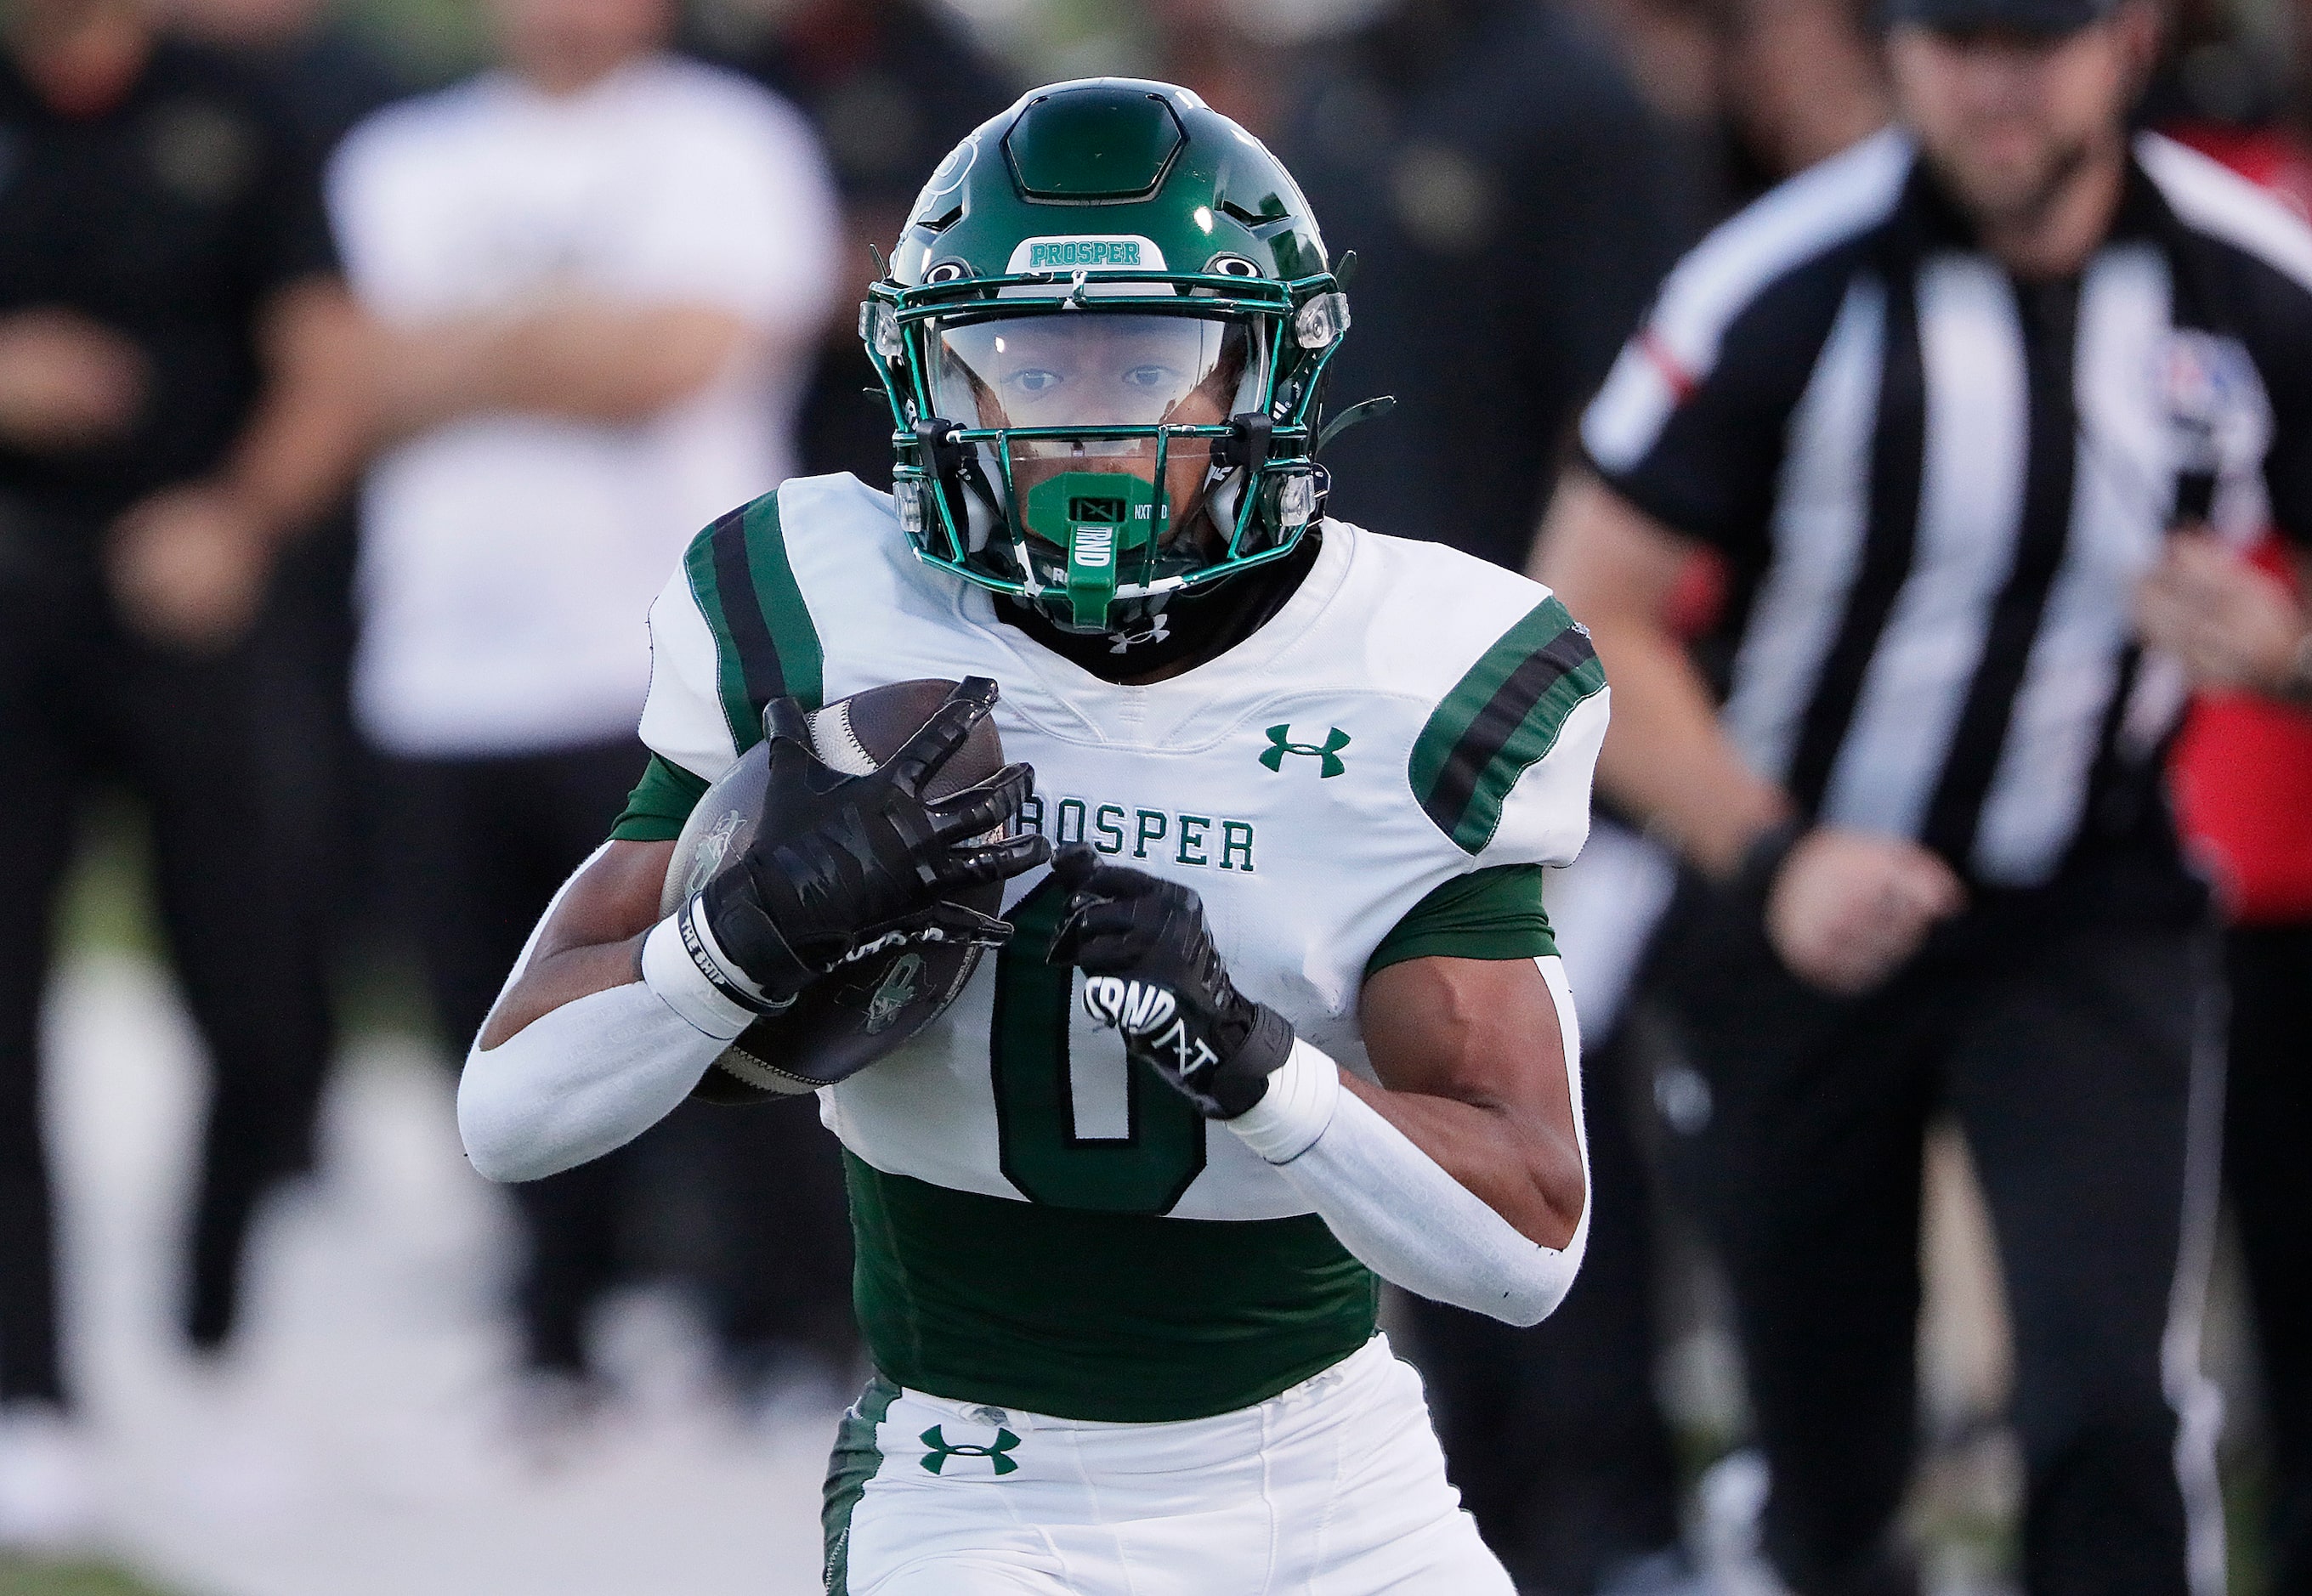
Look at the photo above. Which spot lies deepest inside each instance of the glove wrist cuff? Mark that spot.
(686, 966)
(750, 952)
(1295, 1110)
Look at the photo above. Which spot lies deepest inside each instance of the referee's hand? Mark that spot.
(2231, 625)
(1848, 907)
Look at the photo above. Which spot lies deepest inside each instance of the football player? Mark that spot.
(1283, 1014)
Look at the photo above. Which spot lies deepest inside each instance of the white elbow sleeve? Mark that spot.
(586, 1077)
(1395, 1208)
(574, 1084)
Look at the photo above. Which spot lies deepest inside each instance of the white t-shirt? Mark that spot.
(508, 560)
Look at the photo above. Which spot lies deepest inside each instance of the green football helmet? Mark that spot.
(1104, 335)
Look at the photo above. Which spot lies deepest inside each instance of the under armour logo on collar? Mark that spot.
(1155, 632)
(1327, 754)
(941, 1450)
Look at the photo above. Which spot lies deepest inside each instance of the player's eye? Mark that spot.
(1151, 377)
(1035, 379)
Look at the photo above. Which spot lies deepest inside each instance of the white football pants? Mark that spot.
(1335, 1487)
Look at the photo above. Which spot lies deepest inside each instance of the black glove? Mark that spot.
(843, 866)
(1152, 972)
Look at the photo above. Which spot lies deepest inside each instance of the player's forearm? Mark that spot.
(584, 1051)
(1397, 1210)
(553, 980)
(1528, 1172)
(579, 359)
(577, 1082)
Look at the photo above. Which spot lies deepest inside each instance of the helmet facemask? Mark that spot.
(1098, 468)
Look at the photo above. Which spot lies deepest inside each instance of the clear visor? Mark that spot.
(1089, 369)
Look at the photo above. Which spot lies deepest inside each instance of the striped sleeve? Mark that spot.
(2262, 255)
(1689, 424)
(1503, 766)
(729, 634)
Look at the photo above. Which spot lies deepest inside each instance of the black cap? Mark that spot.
(2048, 18)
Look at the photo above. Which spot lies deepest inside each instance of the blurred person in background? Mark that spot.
(1449, 137)
(299, 650)
(2244, 786)
(1800, 81)
(1757, 90)
(1939, 404)
(601, 274)
(891, 86)
(174, 409)
(328, 74)
(328, 78)
(1502, 143)
(2242, 779)
(1216, 48)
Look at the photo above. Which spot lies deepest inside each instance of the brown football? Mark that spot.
(847, 1020)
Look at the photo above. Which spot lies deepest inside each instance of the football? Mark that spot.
(864, 1010)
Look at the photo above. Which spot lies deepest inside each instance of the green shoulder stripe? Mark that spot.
(1499, 718)
(765, 646)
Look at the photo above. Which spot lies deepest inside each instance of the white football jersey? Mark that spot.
(1411, 715)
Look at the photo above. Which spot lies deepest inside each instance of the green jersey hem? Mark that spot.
(1494, 913)
(1122, 1318)
(659, 804)
(855, 1461)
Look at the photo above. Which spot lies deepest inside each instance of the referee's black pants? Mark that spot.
(2268, 1173)
(2067, 1055)
(195, 739)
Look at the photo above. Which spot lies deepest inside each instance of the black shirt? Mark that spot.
(329, 80)
(1512, 205)
(168, 218)
(1937, 487)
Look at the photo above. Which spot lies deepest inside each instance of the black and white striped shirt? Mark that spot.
(1936, 487)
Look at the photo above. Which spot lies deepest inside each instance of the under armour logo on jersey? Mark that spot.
(1327, 754)
(941, 1450)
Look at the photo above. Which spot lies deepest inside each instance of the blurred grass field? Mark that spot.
(72, 1579)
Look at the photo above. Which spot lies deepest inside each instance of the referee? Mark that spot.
(1939, 404)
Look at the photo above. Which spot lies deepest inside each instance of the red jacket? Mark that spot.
(2243, 766)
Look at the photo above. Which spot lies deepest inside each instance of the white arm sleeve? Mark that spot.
(1394, 1208)
(572, 1085)
(586, 1077)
